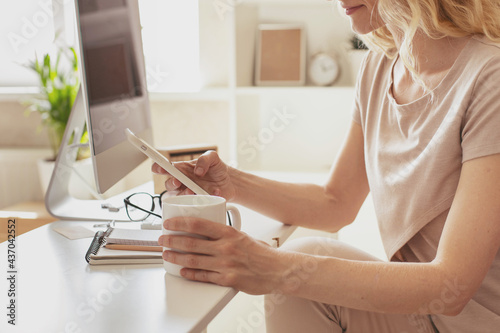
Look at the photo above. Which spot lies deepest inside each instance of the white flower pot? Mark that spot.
(355, 58)
(78, 188)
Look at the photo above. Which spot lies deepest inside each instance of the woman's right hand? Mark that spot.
(208, 171)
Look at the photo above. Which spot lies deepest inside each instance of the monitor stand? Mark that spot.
(58, 199)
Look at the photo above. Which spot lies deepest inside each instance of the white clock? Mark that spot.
(323, 69)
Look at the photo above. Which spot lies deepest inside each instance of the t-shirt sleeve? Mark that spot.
(481, 130)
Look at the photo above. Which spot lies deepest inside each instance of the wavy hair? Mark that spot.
(435, 18)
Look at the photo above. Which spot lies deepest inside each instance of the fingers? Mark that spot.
(172, 184)
(197, 268)
(155, 168)
(201, 262)
(187, 244)
(200, 268)
(190, 260)
(193, 225)
(186, 191)
(205, 162)
(201, 275)
(197, 170)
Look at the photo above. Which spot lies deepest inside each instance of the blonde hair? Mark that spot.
(436, 19)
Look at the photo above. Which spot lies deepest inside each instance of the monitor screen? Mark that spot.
(109, 72)
(113, 85)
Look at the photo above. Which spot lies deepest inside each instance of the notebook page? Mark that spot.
(107, 253)
(143, 237)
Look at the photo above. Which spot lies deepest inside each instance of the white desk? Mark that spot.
(57, 291)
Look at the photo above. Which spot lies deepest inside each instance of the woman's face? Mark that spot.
(363, 14)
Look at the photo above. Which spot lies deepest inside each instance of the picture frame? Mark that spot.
(280, 58)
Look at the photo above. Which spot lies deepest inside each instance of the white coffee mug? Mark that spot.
(208, 207)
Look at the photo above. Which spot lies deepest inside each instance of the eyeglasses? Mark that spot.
(141, 205)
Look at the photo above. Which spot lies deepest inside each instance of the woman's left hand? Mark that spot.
(228, 257)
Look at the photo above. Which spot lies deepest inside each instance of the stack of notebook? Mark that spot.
(125, 246)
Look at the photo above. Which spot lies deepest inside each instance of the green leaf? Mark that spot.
(58, 89)
(74, 59)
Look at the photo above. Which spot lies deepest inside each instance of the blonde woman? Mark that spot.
(425, 142)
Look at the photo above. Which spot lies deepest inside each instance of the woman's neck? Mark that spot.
(433, 60)
(432, 55)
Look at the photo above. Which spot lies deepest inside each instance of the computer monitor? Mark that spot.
(112, 97)
(113, 83)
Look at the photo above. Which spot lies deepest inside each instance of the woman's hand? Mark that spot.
(208, 171)
(228, 257)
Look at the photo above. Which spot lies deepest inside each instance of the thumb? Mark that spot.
(205, 162)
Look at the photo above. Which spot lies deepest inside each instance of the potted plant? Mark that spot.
(59, 84)
(58, 89)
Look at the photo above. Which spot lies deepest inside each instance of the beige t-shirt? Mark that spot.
(414, 154)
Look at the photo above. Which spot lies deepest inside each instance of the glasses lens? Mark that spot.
(140, 206)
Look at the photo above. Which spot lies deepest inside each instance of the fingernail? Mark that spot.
(198, 171)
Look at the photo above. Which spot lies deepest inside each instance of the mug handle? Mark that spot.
(235, 216)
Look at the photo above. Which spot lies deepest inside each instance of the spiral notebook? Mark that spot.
(99, 254)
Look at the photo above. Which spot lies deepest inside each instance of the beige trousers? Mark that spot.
(287, 314)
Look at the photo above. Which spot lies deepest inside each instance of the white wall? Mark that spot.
(293, 130)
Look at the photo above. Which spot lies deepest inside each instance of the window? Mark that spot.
(27, 28)
(170, 32)
(171, 44)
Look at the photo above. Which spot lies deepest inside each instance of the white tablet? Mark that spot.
(163, 162)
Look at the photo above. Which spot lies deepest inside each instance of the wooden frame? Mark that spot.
(280, 55)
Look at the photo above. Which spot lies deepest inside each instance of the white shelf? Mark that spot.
(290, 90)
(288, 2)
(16, 94)
(206, 94)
